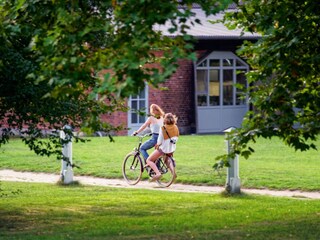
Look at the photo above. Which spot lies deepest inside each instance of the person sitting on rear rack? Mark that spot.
(166, 144)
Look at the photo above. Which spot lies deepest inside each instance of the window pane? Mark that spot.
(203, 64)
(142, 118)
(134, 108)
(202, 100)
(239, 63)
(227, 87)
(134, 105)
(241, 88)
(134, 118)
(202, 81)
(214, 88)
(142, 105)
(142, 108)
(214, 63)
(142, 94)
(228, 62)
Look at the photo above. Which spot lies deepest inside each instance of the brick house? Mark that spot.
(202, 93)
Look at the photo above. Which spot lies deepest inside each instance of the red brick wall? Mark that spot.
(176, 95)
(117, 119)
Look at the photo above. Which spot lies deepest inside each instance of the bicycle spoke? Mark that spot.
(132, 168)
(167, 175)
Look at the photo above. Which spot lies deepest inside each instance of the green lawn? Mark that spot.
(51, 211)
(44, 211)
(273, 165)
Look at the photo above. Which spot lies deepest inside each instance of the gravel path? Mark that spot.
(10, 175)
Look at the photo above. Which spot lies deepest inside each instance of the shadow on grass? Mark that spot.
(226, 194)
(72, 184)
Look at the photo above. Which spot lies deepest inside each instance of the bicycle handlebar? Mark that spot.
(142, 136)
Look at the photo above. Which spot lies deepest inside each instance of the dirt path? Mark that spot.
(10, 175)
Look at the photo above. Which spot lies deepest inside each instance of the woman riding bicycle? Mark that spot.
(166, 144)
(155, 121)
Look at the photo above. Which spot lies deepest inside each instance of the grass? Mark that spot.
(47, 211)
(273, 165)
(44, 211)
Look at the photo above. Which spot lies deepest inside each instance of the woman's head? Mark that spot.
(156, 111)
(170, 119)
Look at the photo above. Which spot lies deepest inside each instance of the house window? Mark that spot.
(240, 90)
(227, 87)
(202, 87)
(220, 80)
(138, 106)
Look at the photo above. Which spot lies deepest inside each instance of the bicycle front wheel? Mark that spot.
(132, 168)
(167, 170)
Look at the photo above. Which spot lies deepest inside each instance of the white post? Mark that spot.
(66, 166)
(233, 180)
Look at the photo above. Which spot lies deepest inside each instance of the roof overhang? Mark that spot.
(207, 30)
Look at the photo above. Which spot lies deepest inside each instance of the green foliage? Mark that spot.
(58, 56)
(218, 166)
(284, 81)
(29, 105)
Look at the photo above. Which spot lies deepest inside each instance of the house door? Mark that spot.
(220, 86)
(138, 110)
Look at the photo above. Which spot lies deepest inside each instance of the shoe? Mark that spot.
(155, 177)
(151, 173)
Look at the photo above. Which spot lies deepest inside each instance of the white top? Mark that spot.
(154, 124)
(165, 145)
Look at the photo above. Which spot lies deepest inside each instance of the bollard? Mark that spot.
(233, 180)
(66, 166)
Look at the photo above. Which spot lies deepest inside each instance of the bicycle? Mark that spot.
(133, 166)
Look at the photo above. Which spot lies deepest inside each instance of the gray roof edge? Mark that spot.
(226, 37)
(221, 37)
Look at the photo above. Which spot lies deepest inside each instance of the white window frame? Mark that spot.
(134, 126)
(216, 55)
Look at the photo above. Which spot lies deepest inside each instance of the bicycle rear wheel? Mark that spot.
(132, 168)
(168, 176)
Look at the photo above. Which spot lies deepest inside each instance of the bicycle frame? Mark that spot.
(137, 149)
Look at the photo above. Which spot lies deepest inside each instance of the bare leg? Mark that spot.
(151, 162)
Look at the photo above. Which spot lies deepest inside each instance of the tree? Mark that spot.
(53, 53)
(284, 80)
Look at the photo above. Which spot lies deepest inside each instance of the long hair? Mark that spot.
(155, 110)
